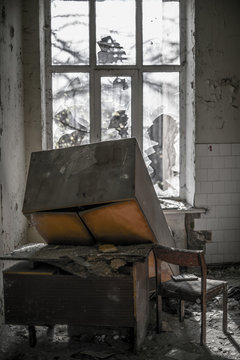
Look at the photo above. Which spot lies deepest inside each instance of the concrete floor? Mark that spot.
(178, 341)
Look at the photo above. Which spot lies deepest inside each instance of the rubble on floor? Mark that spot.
(179, 341)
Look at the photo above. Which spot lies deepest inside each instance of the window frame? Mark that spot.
(96, 71)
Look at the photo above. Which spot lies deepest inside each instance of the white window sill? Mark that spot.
(170, 206)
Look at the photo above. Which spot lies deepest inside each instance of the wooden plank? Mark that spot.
(61, 228)
(119, 223)
(26, 268)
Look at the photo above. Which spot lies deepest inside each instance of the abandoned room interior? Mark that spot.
(119, 153)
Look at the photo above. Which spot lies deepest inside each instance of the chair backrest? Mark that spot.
(181, 257)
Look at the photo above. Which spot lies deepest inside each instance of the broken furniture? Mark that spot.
(81, 200)
(187, 290)
(78, 285)
(95, 193)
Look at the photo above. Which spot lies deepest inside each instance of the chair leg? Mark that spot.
(203, 323)
(225, 300)
(159, 313)
(181, 310)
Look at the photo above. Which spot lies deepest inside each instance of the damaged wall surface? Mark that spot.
(218, 127)
(12, 161)
(217, 71)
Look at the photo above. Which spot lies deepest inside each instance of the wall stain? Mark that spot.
(1, 205)
(3, 14)
(11, 31)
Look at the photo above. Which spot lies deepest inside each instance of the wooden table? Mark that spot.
(78, 285)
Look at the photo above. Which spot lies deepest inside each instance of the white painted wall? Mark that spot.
(12, 161)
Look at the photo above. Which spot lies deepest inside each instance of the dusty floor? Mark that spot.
(179, 341)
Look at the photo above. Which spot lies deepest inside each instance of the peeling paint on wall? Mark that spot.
(217, 72)
(12, 160)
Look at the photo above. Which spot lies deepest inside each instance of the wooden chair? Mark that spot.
(202, 288)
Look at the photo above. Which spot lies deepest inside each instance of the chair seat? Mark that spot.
(190, 290)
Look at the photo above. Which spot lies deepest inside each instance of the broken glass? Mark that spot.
(71, 124)
(70, 32)
(115, 32)
(161, 131)
(115, 107)
(161, 32)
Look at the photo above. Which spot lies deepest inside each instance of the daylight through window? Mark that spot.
(115, 73)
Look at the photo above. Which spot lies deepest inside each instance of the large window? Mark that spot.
(113, 70)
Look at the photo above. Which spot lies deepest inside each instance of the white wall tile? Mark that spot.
(225, 199)
(202, 174)
(206, 162)
(212, 224)
(237, 165)
(217, 258)
(218, 236)
(235, 198)
(235, 149)
(229, 223)
(213, 199)
(230, 186)
(231, 235)
(206, 187)
(212, 149)
(236, 246)
(198, 187)
(230, 258)
(227, 247)
(212, 174)
(225, 149)
(218, 187)
(201, 150)
(225, 174)
(219, 199)
(225, 211)
(229, 162)
(200, 200)
(218, 190)
(236, 174)
(200, 224)
(218, 162)
(211, 248)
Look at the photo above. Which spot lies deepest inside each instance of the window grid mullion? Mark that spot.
(47, 112)
(94, 126)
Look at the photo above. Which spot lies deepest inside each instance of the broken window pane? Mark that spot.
(71, 124)
(161, 32)
(115, 32)
(115, 107)
(161, 131)
(70, 32)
